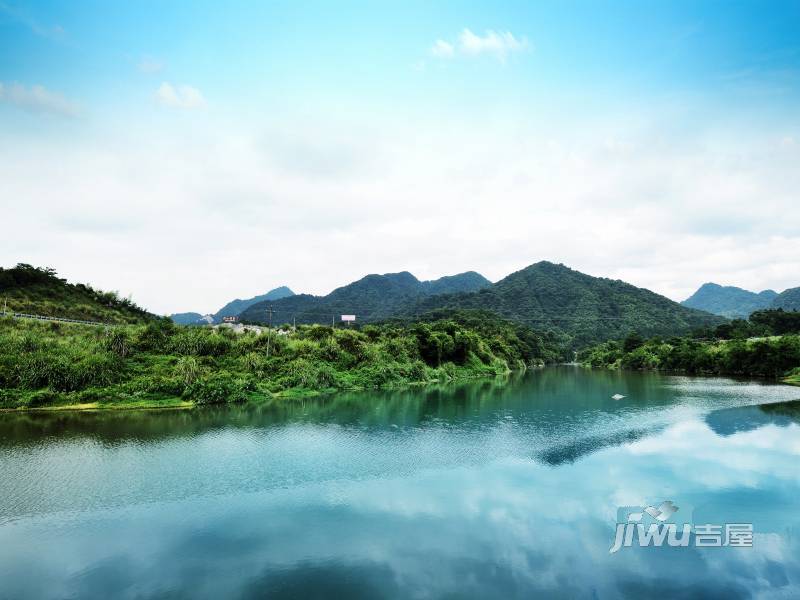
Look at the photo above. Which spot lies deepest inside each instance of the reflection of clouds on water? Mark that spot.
(693, 448)
(730, 420)
(509, 528)
(481, 490)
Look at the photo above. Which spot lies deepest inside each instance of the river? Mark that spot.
(488, 489)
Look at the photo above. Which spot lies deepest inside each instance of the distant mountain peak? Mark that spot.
(238, 306)
(550, 296)
(728, 300)
(787, 299)
(403, 277)
(544, 295)
(232, 309)
(373, 297)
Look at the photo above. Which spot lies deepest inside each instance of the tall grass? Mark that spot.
(66, 363)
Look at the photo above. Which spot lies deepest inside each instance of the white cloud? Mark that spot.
(442, 49)
(203, 213)
(497, 44)
(181, 96)
(37, 98)
(149, 65)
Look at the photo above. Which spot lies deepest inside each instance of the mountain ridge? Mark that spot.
(544, 296)
(371, 298)
(582, 307)
(231, 309)
(787, 300)
(729, 301)
(235, 307)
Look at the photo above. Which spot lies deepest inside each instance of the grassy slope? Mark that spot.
(160, 364)
(26, 289)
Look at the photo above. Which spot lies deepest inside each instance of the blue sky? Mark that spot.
(655, 142)
(253, 56)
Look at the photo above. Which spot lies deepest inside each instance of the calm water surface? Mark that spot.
(492, 489)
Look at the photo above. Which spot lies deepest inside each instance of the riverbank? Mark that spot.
(794, 378)
(294, 394)
(774, 357)
(177, 403)
(56, 366)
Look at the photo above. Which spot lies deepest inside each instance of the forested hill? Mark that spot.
(236, 307)
(787, 300)
(187, 318)
(729, 301)
(372, 298)
(231, 309)
(547, 296)
(453, 284)
(32, 290)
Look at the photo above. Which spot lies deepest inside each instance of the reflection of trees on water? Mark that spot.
(563, 411)
(747, 418)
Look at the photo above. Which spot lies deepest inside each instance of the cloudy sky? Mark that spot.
(191, 152)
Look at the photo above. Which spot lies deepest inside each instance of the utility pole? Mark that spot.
(269, 329)
(294, 323)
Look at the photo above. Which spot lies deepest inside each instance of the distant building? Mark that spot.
(230, 319)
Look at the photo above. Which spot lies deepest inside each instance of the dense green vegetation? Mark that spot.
(762, 323)
(158, 363)
(584, 309)
(766, 345)
(373, 298)
(729, 301)
(577, 308)
(787, 299)
(27, 289)
(532, 346)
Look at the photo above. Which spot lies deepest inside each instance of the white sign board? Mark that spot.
(348, 317)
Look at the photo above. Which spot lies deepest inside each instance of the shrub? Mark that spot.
(118, 341)
(187, 369)
(217, 388)
(304, 373)
(66, 371)
(155, 335)
(199, 341)
(354, 343)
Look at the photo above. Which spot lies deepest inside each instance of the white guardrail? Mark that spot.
(14, 315)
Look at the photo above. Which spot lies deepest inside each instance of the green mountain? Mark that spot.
(232, 309)
(453, 284)
(729, 301)
(39, 291)
(187, 318)
(787, 300)
(579, 308)
(372, 298)
(236, 307)
(585, 309)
